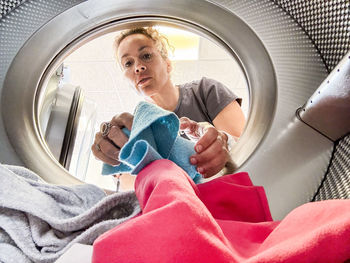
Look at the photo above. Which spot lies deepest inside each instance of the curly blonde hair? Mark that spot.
(161, 41)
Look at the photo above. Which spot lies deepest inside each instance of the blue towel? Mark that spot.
(154, 136)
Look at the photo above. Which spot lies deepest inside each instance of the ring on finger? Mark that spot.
(219, 138)
(98, 147)
(105, 128)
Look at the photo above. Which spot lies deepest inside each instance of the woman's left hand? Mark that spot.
(211, 149)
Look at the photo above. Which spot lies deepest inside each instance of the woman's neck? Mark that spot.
(168, 97)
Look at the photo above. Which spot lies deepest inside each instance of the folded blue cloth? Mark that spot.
(154, 136)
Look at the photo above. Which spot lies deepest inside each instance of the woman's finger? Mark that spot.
(96, 150)
(207, 139)
(109, 149)
(124, 119)
(117, 136)
(212, 167)
(216, 150)
(104, 148)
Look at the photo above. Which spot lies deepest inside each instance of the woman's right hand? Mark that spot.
(106, 148)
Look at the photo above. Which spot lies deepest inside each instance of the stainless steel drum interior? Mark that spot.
(278, 44)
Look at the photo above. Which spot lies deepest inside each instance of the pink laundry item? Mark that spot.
(224, 220)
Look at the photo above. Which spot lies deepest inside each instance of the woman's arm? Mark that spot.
(230, 119)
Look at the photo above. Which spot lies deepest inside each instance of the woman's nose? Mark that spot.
(140, 68)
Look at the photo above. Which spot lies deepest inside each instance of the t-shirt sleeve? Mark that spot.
(216, 96)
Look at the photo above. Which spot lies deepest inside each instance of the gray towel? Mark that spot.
(39, 221)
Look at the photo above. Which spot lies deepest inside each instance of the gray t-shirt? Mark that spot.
(202, 100)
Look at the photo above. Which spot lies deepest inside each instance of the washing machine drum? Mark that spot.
(282, 67)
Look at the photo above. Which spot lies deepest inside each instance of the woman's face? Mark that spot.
(143, 64)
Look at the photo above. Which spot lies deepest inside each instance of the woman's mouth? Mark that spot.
(143, 81)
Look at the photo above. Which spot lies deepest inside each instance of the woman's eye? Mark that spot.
(147, 56)
(127, 64)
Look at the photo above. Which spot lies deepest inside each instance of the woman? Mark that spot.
(143, 57)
